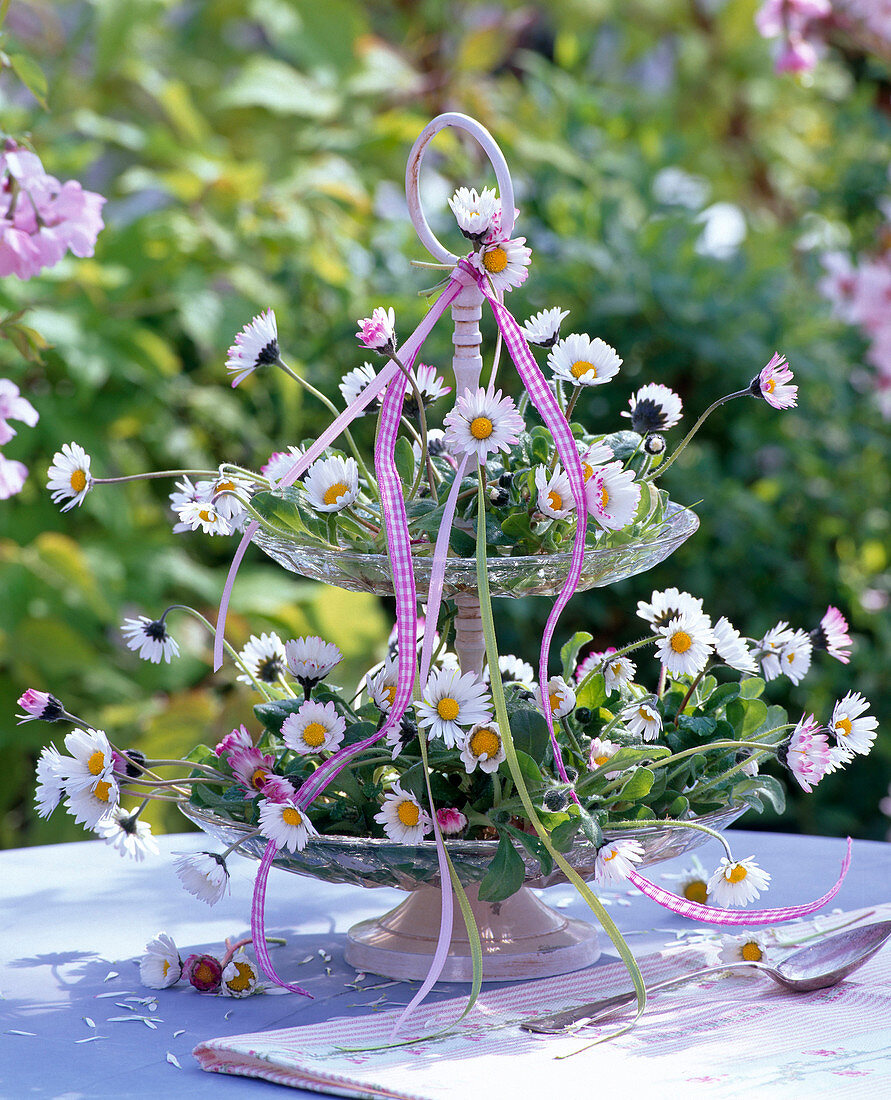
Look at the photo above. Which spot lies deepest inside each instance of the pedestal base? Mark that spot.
(521, 938)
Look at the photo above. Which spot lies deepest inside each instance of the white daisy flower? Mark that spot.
(773, 384)
(90, 801)
(451, 821)
(149, 637)
(39, 706)
(127, 834)
(204, 516)
(239, 979)
(161, 966)
(504, 262)
(452, 701)
(642, 720)
(513, 670)
(613, 496)
(264, 659)
(749, 947)
(685, 645)
(543, 329)
(731, 648)
(221, 492)
(832, 635)
(311, 659)
(92, 755)
(52, 767)
(380, 686)
(600, 753)
(483, 746)
(654, 408)
(795, 656)
(204, 875)
(616, 859)
(483, 422)
(184, 493)
(378, 331)
(436, 445)
(255, 346)
(403, 817)
(853, 732)
(593, 456)
(839, 757)
(474, 212)
(581, 361)
(280, 463)
(691, 882)
(286, 824)
(770, 648)
(666, 605)
(807, 754)
(431, 386)
(561, 697)
(618, 672)
(313, 728)
(737, 882)
(68, 478)
(332, 484)
(354, 382)
(554, 493)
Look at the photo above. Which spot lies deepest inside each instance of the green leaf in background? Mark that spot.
(592, 692)
(569, 653)
(530, 731)
(405, 462)
(506, 872)
(639, 785)
(31, 75)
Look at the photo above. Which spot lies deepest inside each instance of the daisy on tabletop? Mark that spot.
(203, 972)
(263, 659)
(543, 329)
(332, 484)
(239, 978)
(615, 860)
(654, 408)
(255, 346)
(581, 361)
(452, 702)
(749, 947)
(483, 746)
(161, 966)
(737, 882)
(286, 824)
(150, 639)
(402, 817)
(204, 875)
(313, 728)
(854, 731)
(554, 493)
(69, 478)
(481, 423)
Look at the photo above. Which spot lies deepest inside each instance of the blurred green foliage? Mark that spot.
(253, 151)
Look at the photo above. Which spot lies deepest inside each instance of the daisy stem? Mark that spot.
(237, 843)
(360, 519)
(690, 690)
(142, 805)
(571, 738)
(232, 653)
(496, 790)
(683, 443)
(184, 764)
(668, 824)
(496, 361)
(575, 396)
(153, 474)
(221, 779)
(332, 408)
(660, 687)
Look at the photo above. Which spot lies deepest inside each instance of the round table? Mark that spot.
(76, 918)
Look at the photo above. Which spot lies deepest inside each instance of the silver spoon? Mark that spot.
(819, 966)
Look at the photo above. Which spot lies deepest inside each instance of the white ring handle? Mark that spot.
(413, 173)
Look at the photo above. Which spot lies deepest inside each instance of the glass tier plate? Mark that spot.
(537, 575)
(374, 862)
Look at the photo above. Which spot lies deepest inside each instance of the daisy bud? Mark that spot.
(555, 800)
(654, 444)
(255, 346)
(129, 763)
(450, 821)
(39, 706)
(378, 331)
(832, 635)
(204, 972)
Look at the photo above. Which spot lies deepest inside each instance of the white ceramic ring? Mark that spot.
(413, 174)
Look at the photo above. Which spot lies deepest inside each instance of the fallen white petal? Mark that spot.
(111, 974)
(173, 1060)
(89, 1022)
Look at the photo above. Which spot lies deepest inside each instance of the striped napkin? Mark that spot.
(722, 1036)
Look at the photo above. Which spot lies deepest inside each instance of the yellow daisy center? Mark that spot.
(390, 693)
(314, 735)
(495, 260)
(78, 481)
(165, 966)
(735, 874)
(696, 891)
(290, 816)
(604, 496)
(206, 515)
(225, 487)
(556, 700)
(611, 855)
(770, 385)
(408, 813)
(751, 952)
(844, 725)
(790, 657)
(600, 760)
(681, 641)
(485, 741)
(204, 974)
(334, 493)
(481, 427)
(645, 714)
(102, 791)
(587, 470)
(258, 778)
(96, 763)
(242, 979)
(448, 709)
(555, 500)
(582, 367)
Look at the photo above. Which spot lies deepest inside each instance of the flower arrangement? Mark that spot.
(426, 746)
